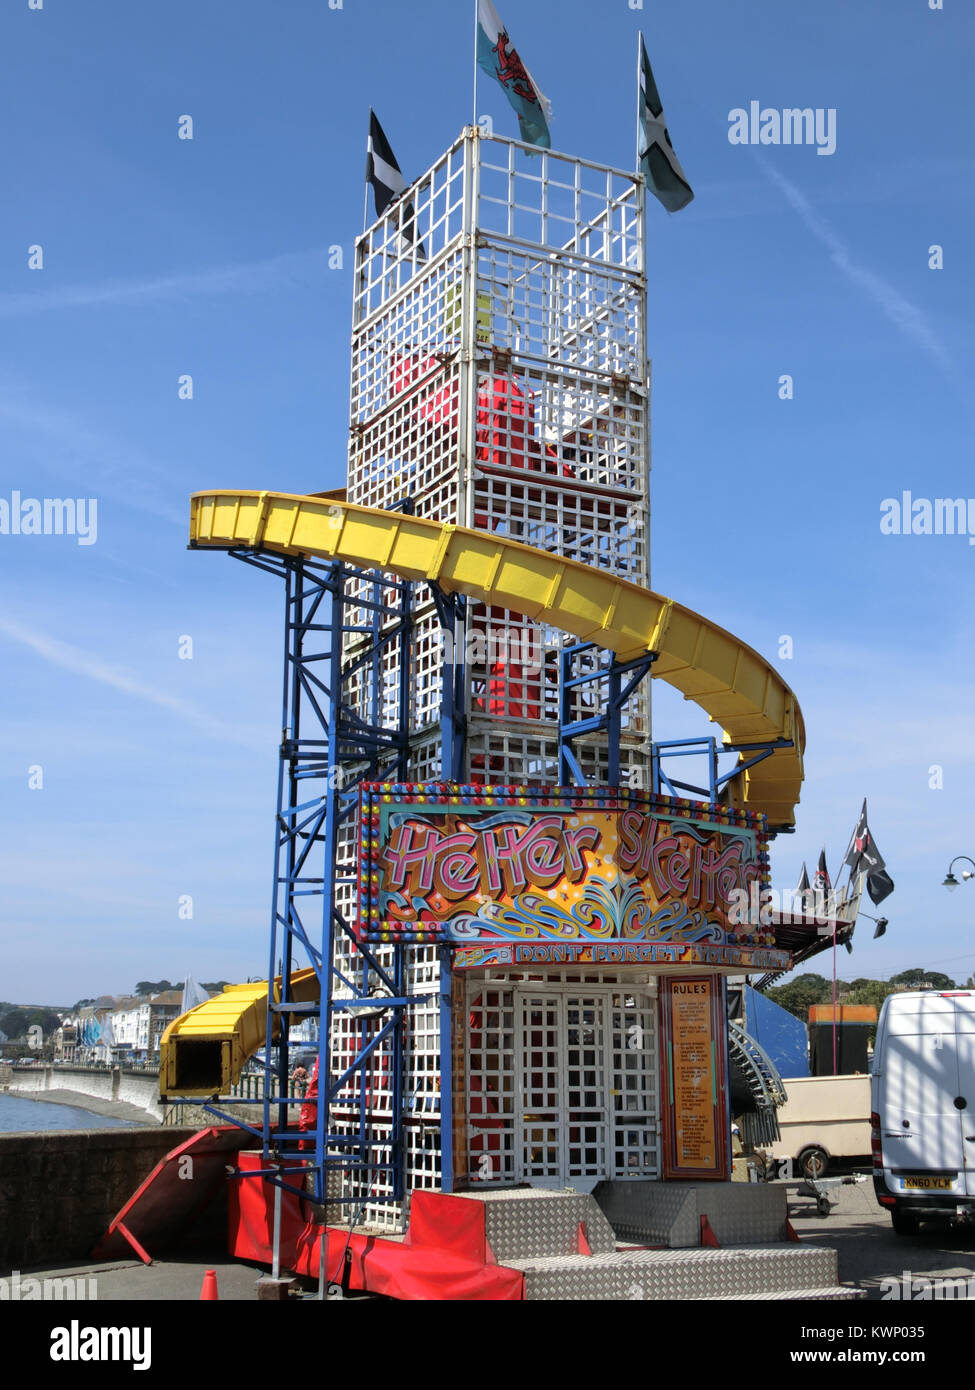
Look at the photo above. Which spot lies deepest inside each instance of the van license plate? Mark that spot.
(928, 1183)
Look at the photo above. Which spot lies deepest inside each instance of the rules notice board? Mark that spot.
(696, 1122)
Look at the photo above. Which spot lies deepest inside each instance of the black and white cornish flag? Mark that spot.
(658, 162)
(388, 184)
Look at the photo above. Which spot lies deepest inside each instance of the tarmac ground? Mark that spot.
(860, 1231)
(869, 1252)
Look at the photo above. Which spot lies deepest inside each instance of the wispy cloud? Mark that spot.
(252, 277)
(907, 317)
(82, 663)
(92, 461)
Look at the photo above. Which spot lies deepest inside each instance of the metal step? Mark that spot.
(669, 1213)
(762, 1271)
(839, 1292)
(531, 1223)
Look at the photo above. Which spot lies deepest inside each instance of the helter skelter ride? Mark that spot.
(510, 919)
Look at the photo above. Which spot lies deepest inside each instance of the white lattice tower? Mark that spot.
(500, 381)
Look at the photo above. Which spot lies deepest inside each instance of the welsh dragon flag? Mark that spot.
(499, 59)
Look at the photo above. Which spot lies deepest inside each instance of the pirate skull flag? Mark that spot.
(658, 162)
(863, 857)
(821, 879)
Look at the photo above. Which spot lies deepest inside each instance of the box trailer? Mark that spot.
(826, 1120)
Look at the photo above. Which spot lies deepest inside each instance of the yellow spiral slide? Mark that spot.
(735, 686)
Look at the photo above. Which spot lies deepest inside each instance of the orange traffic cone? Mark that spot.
(209, 1291)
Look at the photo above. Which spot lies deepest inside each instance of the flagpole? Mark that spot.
(834, 996)
(475, 64)
(365, 190)
(639, 74)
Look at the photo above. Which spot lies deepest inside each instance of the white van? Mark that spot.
(923, 1107)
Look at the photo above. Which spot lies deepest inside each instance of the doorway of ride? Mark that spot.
(923, 1107)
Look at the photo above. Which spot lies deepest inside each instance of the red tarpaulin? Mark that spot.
(444, 1255)
(167, 1202)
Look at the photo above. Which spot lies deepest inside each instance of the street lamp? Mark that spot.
(950, 882)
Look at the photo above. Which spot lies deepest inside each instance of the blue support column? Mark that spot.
(339, 625)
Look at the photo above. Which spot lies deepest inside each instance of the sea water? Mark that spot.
(17, 1114)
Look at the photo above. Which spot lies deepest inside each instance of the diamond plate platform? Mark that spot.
(833, 1294)
(532, 1222)
(752, 1272)
(669, 1213)
(536, 1231)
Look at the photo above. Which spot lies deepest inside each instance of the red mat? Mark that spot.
(445, 1254)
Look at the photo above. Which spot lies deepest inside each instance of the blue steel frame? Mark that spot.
(661, 782)
(621, 679)
(328, 749)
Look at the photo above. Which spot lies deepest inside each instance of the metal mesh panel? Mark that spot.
(634, 1084)
(558, 202)
(389, 263)
(490, 1072)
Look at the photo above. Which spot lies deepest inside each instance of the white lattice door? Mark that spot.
(586, 1146)
(586, 1094)
(563, 1116)
(539, 1115)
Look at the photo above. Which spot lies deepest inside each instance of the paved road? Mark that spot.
(861, 1233)
(179, 1279)
(857, 1228)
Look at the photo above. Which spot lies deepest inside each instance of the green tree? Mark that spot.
(14, 1022)
(869, 992)
(915, 978)
(798, 994)
(939, 981)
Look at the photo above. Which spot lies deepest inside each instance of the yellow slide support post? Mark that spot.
(728, 679)
(203, 1052)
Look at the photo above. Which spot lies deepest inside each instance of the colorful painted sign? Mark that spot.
(741, 957)
(695, 1122)
(489, 866)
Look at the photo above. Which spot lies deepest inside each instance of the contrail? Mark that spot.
(249, 278)
(901, 312)
(81, 663)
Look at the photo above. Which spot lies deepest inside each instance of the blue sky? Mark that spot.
(165, 256)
